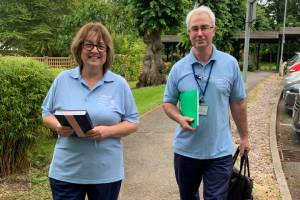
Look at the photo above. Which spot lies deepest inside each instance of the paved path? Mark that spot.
(255, 77)
(149, 155)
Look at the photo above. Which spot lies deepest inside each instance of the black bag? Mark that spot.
(240, 185)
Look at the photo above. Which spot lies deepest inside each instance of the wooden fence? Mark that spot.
(56, 61)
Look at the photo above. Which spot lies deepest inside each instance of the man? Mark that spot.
(206, 151)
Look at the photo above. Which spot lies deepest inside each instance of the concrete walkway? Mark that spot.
(149, 155)
(149, 160)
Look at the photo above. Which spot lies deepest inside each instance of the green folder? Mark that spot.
(189, 105)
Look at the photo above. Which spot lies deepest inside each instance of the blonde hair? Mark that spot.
(95, 28)
(201, 9)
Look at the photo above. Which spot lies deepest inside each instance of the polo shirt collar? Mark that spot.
(192, 59)
(108, 77)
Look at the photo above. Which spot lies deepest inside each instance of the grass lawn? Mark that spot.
(37, 187)
(148, 98)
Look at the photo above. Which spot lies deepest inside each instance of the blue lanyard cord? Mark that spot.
(196, 79)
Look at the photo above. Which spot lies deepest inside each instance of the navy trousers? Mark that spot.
(215, 173)
(69, 191)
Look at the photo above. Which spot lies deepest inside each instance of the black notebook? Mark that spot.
(79, 120)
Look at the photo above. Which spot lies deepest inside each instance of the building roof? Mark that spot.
(290, 33)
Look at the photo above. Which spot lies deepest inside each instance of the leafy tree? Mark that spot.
(228, 21)
(275, 9)
(115, 15)
(31, 27)
(152, 18)
(262, 21)
(14, 19)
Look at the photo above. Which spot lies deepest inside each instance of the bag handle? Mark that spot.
(236, 155)
(245, 164)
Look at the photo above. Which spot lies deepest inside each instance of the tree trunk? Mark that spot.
(154, 69)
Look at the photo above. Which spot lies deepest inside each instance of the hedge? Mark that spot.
(24, 84)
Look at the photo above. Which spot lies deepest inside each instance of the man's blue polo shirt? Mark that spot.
(84, 160)
(212, 138)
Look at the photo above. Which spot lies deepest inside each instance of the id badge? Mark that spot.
(203, 109)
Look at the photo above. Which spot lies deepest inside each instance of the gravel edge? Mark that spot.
(261, 100)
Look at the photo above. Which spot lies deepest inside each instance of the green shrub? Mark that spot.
(129, 55)
(128, 66)
(128, 44)
(24, 84)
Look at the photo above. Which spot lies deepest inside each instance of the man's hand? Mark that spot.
(173, 112)
(244, 146)
(184, 123)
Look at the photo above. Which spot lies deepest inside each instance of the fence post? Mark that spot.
(46, 60)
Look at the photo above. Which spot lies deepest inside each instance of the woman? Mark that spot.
(91, 165)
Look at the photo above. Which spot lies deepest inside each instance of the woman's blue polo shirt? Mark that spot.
(212, 138)
(85, 160)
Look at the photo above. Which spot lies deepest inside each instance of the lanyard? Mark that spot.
(206, 84)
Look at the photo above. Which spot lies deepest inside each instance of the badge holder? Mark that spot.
(203, 107)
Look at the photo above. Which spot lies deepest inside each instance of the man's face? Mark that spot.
(201, 31)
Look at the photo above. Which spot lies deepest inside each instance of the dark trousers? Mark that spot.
(215, 173)
(69, 191)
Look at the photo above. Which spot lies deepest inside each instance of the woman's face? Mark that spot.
(93, 53)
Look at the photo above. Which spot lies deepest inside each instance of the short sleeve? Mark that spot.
(47, 106)
(131, 114)
(238, 91)
(171, 93)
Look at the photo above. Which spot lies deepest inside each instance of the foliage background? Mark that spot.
(46, 27)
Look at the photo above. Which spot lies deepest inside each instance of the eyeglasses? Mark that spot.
(90, 46)
(203, 28)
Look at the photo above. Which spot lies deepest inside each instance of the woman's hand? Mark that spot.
(100, 132)
(64, 131)
(119, 130)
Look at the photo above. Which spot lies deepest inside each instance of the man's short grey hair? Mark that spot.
(201, 9)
